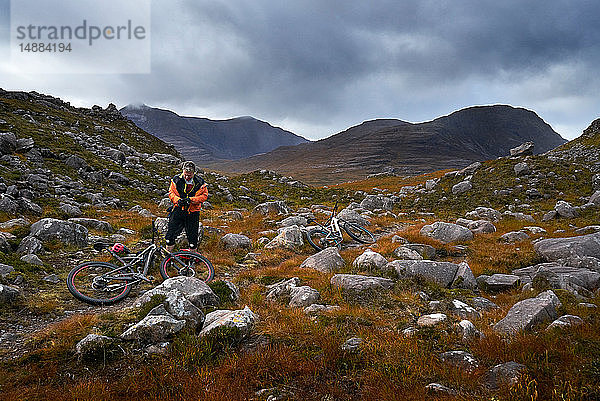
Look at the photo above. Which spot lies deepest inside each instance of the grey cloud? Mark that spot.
(330, 64)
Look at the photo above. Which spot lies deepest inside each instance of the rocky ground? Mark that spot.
(483, 282)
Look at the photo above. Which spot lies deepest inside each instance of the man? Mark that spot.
(187, 192)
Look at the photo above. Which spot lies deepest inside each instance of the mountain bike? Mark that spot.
(104, 283)
(330, 234)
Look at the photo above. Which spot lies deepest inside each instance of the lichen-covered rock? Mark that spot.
(93, 345)
(483, 304)
(464, 277)
(441, 273)
(580, 281)
(318, 309)
(153, 329)
(243, 320)
(521, 169)
(352, 283)
(192, 288)
(65, 231)
(464, 311)
(282, 288)
(370, 260)
(236, 241)
(481, 227)
(373, 202)
(505, 374)
(93, 223)
(460, 359)
(405, 253)
(484, 213)
(501, 282)
(301, 297)
(468, 331)
(288, 238)
(462, 187)
(513, 236)
(266, 208)
(8, 294)
(5, 270)
(328, 260)
(29, 245)
(524, 149)
(554, 249)
(426, 251)
(352, 344)
(447, 232)
(566, 210)
(353, 216)
(527, 314)
(431, 319)
(565, 322)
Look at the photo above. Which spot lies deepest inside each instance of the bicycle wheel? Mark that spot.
(186, 263)
(318, 238)
(97, 283)
(359, 233)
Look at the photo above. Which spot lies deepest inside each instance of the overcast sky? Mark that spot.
(318, 67)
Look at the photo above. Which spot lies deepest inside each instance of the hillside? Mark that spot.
(202, 139)
(483, 283)
(456, 140)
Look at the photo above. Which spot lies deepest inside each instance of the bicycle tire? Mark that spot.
(320, 244)
(359, 233)
(187, 263)
(85, 281)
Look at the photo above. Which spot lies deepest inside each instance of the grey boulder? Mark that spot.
(352, 283)
(266, 208)
(93, 223)
(513, 236)
(554, 249)
(461, 360)
(445, 274)
(503, 375)
(29, 245)
(565, 322)
(529, 313)
(236, 241)
(301, 297)
(405, 253)
(242, 320)
(8, 294)
(524, 149)
(447, 232)
(288, 238)
(462, 187)
(370, 260)
(373, 202)
(326, 261)
(153, 329)
(500, 282)
(64, 231)
(192, 288)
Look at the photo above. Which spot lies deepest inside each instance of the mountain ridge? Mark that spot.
(200, 139)
(451, 141)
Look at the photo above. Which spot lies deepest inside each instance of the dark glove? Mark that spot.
(184, 202)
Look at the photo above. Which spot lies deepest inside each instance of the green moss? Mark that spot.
(148, 306)
(222, 290)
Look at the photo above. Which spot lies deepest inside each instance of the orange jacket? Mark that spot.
(198, 194)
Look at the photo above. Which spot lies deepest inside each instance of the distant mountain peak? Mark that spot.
(203, 139)
(471, 134)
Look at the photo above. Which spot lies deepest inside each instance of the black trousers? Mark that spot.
(180, 219)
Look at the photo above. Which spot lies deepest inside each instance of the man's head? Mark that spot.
(189, 168)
